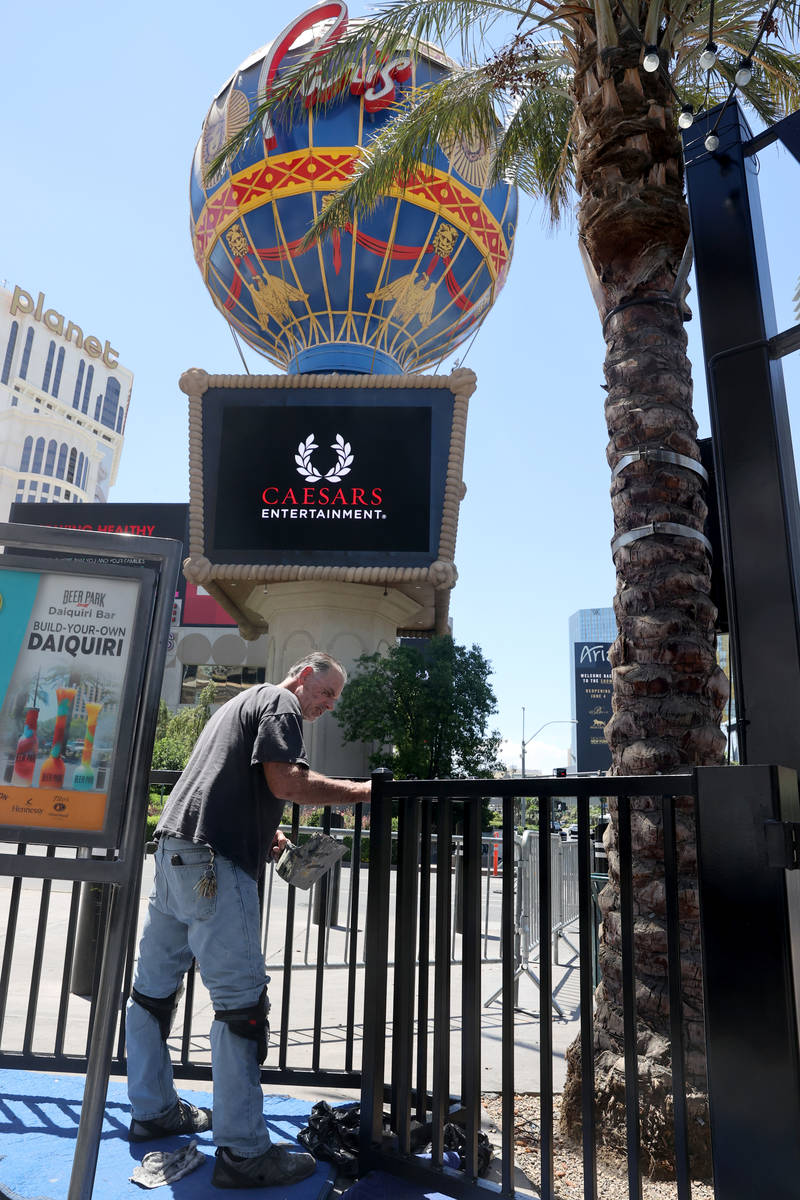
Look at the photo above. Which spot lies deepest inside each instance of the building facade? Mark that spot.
(64, 399)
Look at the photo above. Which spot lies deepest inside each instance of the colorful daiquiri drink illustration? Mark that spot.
(27, 749)
(53, 767)
(83, 779)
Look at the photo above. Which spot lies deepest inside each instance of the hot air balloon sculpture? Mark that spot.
(392, 292)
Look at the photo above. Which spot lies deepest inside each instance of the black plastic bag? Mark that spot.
(332, 1135)
(455, 1138)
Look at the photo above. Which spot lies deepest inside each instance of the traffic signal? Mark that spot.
(560, 772)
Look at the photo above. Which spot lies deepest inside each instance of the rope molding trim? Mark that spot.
(195, 382)
(670, 528)
(441, 574)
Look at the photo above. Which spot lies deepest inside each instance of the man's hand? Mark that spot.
(279, 844)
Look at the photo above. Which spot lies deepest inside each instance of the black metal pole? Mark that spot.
(754, 463)
(749, 916)
(375, 970)
(125, 898)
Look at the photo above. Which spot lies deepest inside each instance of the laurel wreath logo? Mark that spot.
(305, 467)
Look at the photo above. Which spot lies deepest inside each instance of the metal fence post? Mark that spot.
(557, 887)
(376, 968)
(750, 922)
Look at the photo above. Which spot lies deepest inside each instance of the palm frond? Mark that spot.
(517, 98)
(775, 87)
(788, 11)
(780, 73)
(536, 148)
(397, 26)
(460, 106)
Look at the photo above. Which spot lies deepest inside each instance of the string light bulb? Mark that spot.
(744, 73)
(651, 62)
(711, 143)
(709, 56)
(686, 117)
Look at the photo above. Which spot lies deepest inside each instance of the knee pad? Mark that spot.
(163, 1010)
(250, 1023)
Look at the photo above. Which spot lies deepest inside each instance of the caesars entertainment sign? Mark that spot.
(296, 472)
(309, 481)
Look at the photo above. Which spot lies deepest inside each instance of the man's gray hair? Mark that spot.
(320, 663)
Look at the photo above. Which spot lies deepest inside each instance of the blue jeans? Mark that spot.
(223, 933)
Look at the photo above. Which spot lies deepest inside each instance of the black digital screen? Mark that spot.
(592, 705)
(297, 479)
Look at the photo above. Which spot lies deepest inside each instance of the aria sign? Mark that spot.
(297, 477)
(592, 683)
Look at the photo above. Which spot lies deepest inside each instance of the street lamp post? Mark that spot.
(569, 721)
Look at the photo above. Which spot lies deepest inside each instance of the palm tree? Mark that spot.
(590, 95)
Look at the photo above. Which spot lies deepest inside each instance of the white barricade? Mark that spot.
(527, 931)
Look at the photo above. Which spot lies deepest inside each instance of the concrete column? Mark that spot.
(343, 619)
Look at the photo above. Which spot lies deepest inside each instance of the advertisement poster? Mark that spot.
(592, 705)
(201, 609)
(65, 641)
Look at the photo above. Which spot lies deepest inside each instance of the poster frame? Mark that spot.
(162, 558)
(145, 578)
(123, 865)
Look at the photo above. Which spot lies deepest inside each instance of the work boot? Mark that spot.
(183, 1117)
(275, 1166)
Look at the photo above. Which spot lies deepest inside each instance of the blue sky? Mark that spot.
(104, 107)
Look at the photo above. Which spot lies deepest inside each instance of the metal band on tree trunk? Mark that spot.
(671, 528)
(666, 456)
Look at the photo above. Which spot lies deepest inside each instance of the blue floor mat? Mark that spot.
(380, 1185)
(39, 1117)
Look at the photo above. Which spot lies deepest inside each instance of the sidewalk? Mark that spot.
(49, 1088)
(526, 1017)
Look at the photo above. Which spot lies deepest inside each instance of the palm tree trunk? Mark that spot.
(668, 690)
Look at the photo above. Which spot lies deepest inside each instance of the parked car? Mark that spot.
(572, 833)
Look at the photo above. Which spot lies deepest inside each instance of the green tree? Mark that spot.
(582, 119)
(176, 733)
(426, 711)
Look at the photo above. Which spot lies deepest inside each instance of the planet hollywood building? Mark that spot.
(64, 399)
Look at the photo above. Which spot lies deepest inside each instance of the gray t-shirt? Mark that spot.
(222, 798)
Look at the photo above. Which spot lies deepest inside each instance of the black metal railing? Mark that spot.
(419, 1015)
(423, 1087)
(51, 963)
